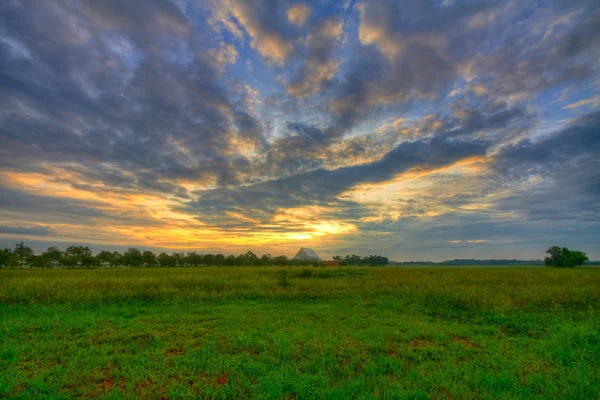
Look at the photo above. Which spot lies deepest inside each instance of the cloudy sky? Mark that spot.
(417, 129)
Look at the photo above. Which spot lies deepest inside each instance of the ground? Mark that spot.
(303, 333)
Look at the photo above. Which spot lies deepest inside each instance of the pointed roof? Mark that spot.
(307, 254)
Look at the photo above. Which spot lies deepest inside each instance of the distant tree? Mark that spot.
(132, 257)
(208, 259)
(8, 259)
(117, 258)
(564, 258)
(165, 260)
(38, 261)
(78, 251)
(4, 258)
(148, 258)
(573, 258)
(179, 259)
(219, 259)
(22, 253)
(77, 255)
(90, 262)
(54, 255)
(555, 259)
(230, 260)
(194, 259)
(105, 257)
(249, 258)
(266, 259)
(281, 260)
(69, 262)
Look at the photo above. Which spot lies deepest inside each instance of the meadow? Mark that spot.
(300, 333)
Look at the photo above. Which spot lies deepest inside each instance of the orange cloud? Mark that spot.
(298, 14)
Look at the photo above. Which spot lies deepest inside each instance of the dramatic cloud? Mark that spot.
(419, 129)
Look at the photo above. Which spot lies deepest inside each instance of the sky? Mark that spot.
(417, 130)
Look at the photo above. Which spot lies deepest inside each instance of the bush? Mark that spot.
(283, 280)
(305, 273)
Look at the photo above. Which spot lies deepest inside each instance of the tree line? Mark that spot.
(357, 260)
(82, 257)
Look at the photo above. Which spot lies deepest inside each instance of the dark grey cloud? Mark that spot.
(321, 62)
(20, 230)
(63, 208)
(101, 88)
(415, 50)
(320, 187)
(568, 163)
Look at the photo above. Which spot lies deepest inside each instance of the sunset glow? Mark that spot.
(418, 129)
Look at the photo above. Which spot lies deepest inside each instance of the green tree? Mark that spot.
(77, 255)
(69, 262)
(194, 259)
(105, 257)
(249, 258)
(148, 258)
(165, 260)
(132, 257)
(564, 258)
(179, 259)
(54, 255)
(266, 259)
(230, 260)
(281, 260)
(40, 261)
(8, 259)
(219, 259)
(89, 262)
(574, 258)
(117, 258)
(78, 251)
(22, 253)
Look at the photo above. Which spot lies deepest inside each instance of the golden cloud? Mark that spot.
(298, 14)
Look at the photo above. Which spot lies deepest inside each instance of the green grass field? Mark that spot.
(294, 333)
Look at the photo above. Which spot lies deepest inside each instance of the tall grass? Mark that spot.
(468, 288)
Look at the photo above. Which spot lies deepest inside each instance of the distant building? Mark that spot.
(332, 263)
(307, 254)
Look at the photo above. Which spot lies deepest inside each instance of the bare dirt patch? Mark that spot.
(174, 352)
(420, 343)
(223, 379)
(106, 385)
(466, 342)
